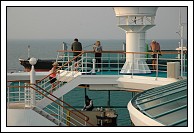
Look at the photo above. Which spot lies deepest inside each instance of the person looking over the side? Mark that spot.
(88, 104)
(52, 76)
(98, 49)
(76, 46)
(155, 47)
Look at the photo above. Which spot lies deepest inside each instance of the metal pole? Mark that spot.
(85, 92)
(86, 66)
(132, 66)
(156, 67)
(8, 91)
(181, 50)
(72, 66)
(181, 34)
(93, 69)
(82, 63)
(32, 81)
(68, 59)
(184, 65)
(118, 62)
(28, 51)
(108, 98)
(32, 61)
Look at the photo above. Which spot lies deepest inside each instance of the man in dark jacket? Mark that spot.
(76, 46)
(88, 104)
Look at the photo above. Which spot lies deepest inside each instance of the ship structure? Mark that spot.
(159, 97)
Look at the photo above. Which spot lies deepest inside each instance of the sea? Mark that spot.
(47, 48)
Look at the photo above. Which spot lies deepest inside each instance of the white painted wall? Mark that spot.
(26, 117)
(139, 119)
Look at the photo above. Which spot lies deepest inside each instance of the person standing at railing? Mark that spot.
(98, 54)
(155, 47)
(76, 46)
(53, 74)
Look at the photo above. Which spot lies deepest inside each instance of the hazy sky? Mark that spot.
(84, 23)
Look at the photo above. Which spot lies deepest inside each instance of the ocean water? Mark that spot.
(48, 49)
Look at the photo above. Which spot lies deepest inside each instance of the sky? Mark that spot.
(85, 23)
(96, 21)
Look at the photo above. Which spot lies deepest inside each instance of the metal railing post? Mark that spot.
(109, 61)
(57, 56)
(94, 63)
(86, 62)
(32, 81)
(132, 66)
(68, 118)
(184, 65)
(156, 66)
(72, 66)
(8, 96)
(82, 62)
(19, 89)
(85, 121)
(118, 63)
(68, 60)
(27, 96)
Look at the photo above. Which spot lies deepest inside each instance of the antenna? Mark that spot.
(28, 51)
(179, 16)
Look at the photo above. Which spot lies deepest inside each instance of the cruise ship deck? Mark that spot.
(108, 79)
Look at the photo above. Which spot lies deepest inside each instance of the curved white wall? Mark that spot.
(139, 119)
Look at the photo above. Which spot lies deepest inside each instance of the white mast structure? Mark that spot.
(181, 48)
(135, 21)
(181, 30)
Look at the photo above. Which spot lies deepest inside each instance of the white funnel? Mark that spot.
(135, 21)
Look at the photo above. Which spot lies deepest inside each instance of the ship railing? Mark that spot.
(13, 70)
(64, 75)
(86, 65)
(86, 61)
(19, 96)
(114, 60)
(68, 74)
(15, 92)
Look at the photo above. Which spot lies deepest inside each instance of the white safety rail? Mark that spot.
(114, 61)
(57, 111)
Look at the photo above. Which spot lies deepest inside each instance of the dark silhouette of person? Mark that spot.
(76, 46)
(88, 104)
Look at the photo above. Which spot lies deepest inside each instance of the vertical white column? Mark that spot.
(32, 80)
(94, 65)
(131, 45)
